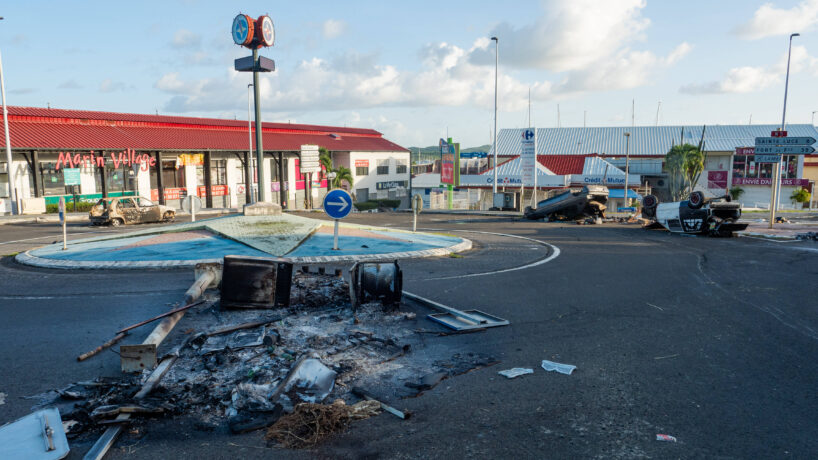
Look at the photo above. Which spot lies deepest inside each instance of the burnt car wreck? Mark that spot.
(697, 215)
(586, 203)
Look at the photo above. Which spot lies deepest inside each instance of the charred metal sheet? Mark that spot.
(476, 319)
(255, 282)
(136, 358)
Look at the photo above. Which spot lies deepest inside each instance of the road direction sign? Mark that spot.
(337, 203)
(784, 149)
(309, 159)
(768, 158)
(785, 140)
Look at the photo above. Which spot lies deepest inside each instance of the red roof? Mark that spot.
(37, 128)
(563, 164)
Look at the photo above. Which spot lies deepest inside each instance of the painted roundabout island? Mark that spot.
(298, 239)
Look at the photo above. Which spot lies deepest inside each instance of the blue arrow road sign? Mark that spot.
(337, 203)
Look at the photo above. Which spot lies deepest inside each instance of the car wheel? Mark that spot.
(168, 216)
(696, 200)
(116, 222)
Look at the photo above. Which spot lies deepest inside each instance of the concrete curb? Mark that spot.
(27, 259)
(83, 216)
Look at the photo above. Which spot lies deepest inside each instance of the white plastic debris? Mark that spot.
(2, 398)
(314, 380)
(515, 372)
(665, 437)
(561, 368)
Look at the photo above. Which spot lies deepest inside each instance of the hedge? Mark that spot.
(373, 204)
(82, 206)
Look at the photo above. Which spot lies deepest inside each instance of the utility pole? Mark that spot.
(249, 196)
(496, 70)
(776, 185)
(9, 168)
(657, 112)
(627, 164)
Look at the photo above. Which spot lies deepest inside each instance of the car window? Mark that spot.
(128, 204)
(144, 202)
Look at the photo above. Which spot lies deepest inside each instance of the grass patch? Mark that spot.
(455, 255)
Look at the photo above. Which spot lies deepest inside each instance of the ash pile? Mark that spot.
(302, 354)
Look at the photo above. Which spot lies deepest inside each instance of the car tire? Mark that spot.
(168, 216)
(116, 222)
(696, 200)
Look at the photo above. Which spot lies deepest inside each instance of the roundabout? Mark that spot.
(298, 239)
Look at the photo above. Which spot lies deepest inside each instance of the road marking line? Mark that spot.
(554, 255)
(42, 237)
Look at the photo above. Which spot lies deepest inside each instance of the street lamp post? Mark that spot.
(627, 164)
(776, 189)
(496, 61)
(9, 169)
(813, 117)
(248, 159)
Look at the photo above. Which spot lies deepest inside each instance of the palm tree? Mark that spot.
(325, 158)
(342, 174)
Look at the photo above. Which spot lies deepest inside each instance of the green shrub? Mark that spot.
(736, 192)
(82, 206)
(388, 203)
(800, 195)
(366, 205)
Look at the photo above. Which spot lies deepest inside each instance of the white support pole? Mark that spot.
(335, 238)
(10, 169)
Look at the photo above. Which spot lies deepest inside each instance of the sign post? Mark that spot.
(191, 204)
(61, 207)
(309, 165)
(528, 159)
(417, 205)
(771, 150)
(337, 204)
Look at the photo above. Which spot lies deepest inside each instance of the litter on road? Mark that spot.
(665, 437)
(37, 436)
(566, 369)
(516, 372)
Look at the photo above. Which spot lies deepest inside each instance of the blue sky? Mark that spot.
(417, 70)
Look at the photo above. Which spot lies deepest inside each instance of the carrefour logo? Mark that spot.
(528, 134)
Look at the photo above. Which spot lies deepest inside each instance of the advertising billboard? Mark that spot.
(449, 162)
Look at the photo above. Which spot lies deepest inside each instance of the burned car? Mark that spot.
(697, 215)
(588, 202)
(129, 210)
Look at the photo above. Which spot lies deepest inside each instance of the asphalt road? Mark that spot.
(712, 341)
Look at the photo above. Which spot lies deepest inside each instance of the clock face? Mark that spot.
(241, 30)
(267, 31)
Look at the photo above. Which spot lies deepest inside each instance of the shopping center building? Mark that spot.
(166, 158)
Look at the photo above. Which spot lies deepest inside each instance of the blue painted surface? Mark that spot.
(212, 247)
(320, 244)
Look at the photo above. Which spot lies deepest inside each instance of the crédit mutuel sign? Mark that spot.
(127, 157)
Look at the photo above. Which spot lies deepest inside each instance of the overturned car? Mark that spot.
(588, 202)
(696, 215)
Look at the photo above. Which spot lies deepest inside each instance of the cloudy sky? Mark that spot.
(417, 70)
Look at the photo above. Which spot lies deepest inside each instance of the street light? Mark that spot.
(496, 60)
(9, 169)
(627, 164)
(777, 169)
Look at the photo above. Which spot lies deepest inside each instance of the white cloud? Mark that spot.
(770, 21)
(332, 28)
(108, 86)
(748, 79)
(184, 38)
(69, 84)
(570, 36)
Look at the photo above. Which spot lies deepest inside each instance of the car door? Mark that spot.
(148, 210)
(129, 211)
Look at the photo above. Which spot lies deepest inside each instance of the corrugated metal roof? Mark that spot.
(598, 166)
(29, 130)
(644, 140)
(562, 164)
(514, 168)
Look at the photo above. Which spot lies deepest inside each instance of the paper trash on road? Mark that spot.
(515, 372)
(665, 437)
(561, 368)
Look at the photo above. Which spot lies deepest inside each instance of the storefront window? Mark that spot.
(218, 172)
(120, 179)
(52, 180)
(172, 177)
(746, 166)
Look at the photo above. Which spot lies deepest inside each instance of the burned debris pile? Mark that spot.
(278, 364)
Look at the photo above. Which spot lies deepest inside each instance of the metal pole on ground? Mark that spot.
(335, 237)
(9, 169)
(249, 196)
(62, 220)
(262, 187)
(776, 185)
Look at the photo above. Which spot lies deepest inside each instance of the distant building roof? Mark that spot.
(38, 128)
(644, 140)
